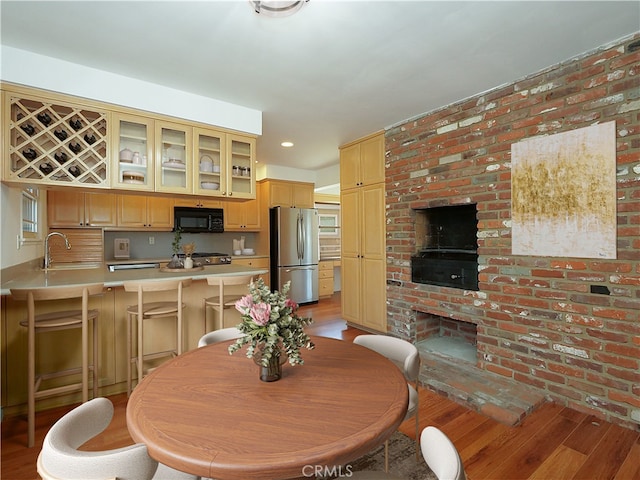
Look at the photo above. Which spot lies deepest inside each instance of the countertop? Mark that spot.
(36, 278)
(329, 259)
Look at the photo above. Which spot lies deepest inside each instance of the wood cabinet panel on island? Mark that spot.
(70, 209)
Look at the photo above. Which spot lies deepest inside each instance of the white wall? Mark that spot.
(326, 180)
(27, 68)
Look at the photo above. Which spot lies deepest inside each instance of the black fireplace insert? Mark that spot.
(448, 247)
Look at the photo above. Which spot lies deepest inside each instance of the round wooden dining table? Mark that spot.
(207, 413)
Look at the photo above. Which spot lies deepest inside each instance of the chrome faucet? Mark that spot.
(47, 252)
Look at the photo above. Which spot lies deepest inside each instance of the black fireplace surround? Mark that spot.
(447, 243)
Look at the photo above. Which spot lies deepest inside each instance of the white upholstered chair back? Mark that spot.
(221, 335)
(61, 459)
(441, 455)
(405, 355)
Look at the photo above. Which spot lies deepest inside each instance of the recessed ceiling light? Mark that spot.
(287, 144)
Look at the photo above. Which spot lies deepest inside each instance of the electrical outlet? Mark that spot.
(152, 240)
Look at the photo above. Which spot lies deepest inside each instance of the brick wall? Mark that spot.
(537, 320)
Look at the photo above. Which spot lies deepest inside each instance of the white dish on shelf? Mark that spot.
(248, 251)
(206, 163)
(174, 164)
(133, 177)
(210, 185)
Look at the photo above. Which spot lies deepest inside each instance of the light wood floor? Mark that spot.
(552, 443)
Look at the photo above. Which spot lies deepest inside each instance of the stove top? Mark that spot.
(206, 258)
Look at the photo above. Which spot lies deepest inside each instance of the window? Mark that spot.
(30, 224)
(328, 223)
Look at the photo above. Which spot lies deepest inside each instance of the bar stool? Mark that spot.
(150, 311)
(228, 300)
(52, 321)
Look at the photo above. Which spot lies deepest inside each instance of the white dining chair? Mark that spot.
(438, 452)
(60, 458)
(221, 335)
(405, 355)
(441, 455)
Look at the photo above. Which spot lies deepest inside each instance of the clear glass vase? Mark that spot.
(272, 369)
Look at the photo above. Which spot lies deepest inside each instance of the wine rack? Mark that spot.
(57, 143)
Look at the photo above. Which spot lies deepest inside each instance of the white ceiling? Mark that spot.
(331, 73)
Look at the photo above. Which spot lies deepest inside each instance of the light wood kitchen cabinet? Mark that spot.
(242, 216)
(241, 159)
(210, 167)
(290, 194)
(362, 162)
(141, 211)
(174, 159)
(53, 141)
(70, 208)
(325, 278)
(197, 202)
(363, 249)
(132, 152)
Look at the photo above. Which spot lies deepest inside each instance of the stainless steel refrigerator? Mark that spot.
(295, 251)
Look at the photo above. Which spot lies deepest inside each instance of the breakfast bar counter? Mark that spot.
(37, 278)
(112, 323)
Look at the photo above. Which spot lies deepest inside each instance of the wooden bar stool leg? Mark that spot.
(96, 357)
(140, 353)
(179, 320)
(85, 347)
(129, 353)
(31, 374)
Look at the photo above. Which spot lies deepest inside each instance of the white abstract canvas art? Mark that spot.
(563, 192)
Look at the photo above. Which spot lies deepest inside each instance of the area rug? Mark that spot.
(402, 461)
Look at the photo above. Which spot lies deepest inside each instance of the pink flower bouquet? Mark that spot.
(270, 322)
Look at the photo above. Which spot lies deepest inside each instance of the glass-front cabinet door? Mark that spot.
(174, 160)
(209, 162)
(241, 175)
(132, 153)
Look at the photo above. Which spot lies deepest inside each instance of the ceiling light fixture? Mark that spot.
(287, 144)
(277, 8)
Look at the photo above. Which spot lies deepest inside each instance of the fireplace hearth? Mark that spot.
(447, 244)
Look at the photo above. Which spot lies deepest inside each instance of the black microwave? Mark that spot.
(198, 220)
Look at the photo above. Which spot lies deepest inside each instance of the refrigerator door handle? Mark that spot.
(303, 235)
(299, 268)
(300, 236)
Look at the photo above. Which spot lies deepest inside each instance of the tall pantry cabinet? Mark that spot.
(362, 203)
